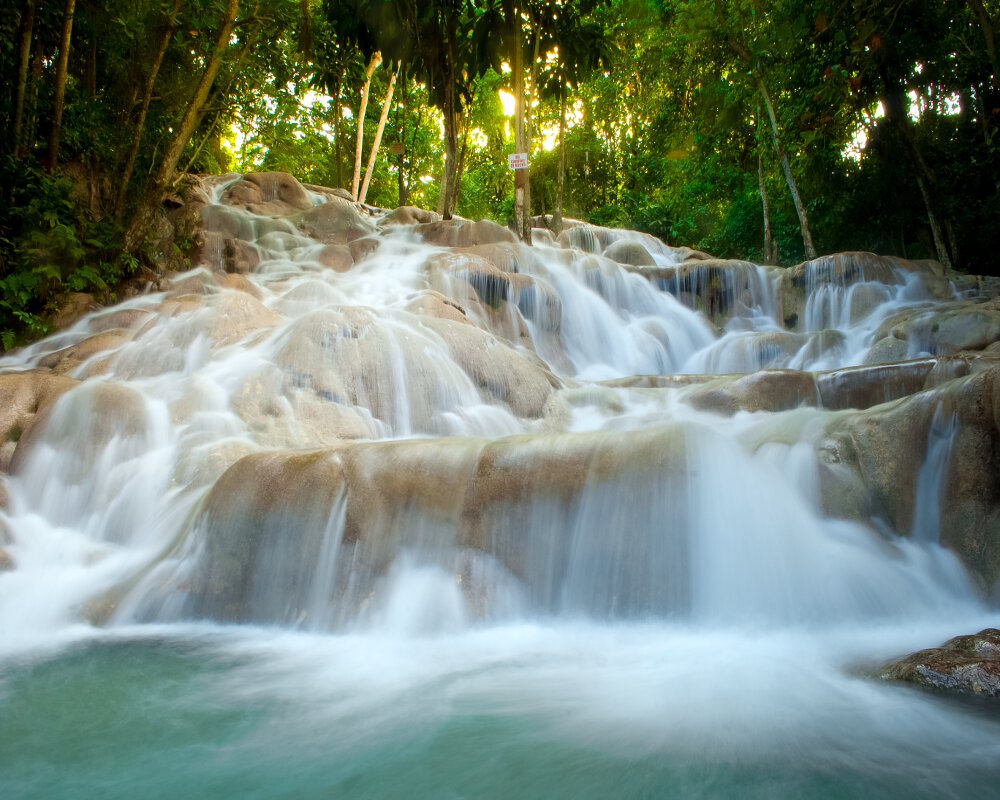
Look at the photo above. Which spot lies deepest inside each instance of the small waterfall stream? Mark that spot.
(465, 522)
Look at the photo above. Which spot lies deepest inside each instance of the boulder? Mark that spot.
(337, 257)
(409, 215)
(239, 257)
(333, 222)
(26, 399)
(630, 253)
(965, 665)
(267, 193)
(70, 358)
(765, 390)
(76, 306)
(464, 233)
(870, 462)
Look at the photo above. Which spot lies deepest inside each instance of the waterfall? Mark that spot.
(408, 506)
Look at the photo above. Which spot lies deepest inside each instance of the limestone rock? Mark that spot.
(965, 665)
(333, 222)
(240, 257)
(268, 193)
(26, 398)
(409, 215)
(73, 308)
(630, 253)
(464, 233)
(70, 358)
(870, 462)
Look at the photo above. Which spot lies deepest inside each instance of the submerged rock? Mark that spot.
(965, 665)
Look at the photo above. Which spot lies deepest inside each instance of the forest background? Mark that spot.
(768, 131)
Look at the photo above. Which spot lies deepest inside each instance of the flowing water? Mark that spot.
(629, 598)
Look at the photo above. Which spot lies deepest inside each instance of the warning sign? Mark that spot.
(517, 161)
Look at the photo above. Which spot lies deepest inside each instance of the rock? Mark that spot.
(630, 253)
(765, 390)
(333, 222)
(263, 522)
(887, 351)
(26, 399)
(76, 306)
(239, 283)
(6, 561)
(864, 387)
(240, 257)
(70, 358)
(235, 315)
(717, 287)
(870, 462)
(464, 233)
(409, 215)
(337, 257)
(267, 193)
(965, 665)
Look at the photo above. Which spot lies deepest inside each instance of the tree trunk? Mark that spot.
(556, 225)
(522, 218)
(466, 125)
(400, 176)
(378, 133)
(987, 27)
(60, 95)
(412, 165)
(769, 255)
(23, 59)
(92, 68)
(359, 144)
(147, 96)
(338, 118)
(450, 134)
(895, 113)
(31, 117)
(189, 123)
(793, 189)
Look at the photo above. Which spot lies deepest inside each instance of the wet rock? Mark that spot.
(263, 522)
(6, 561)
(333, 222)
(235, 315)
(26, 399)
(965, 665)
(630, 253)
(864, 387)
(409, 215)
(519, 380)
(887, 351)
(239, 257)
(588, 238)
(766, 390)
(870, 462)
(71, 358)
(76, 306)
(111, 411)
(268, 193)
(337, 257)
(717, 287)
(435, 304)
(239, 283)
(464, 233)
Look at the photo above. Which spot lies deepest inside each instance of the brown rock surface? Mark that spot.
(26, 398)
(965, 665)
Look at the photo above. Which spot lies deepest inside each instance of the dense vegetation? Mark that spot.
(727, 125)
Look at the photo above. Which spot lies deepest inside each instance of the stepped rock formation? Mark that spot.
(579, 427)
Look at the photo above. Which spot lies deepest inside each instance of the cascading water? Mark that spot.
(415, 528)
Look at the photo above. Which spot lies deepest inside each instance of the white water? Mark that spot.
(703, 609)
